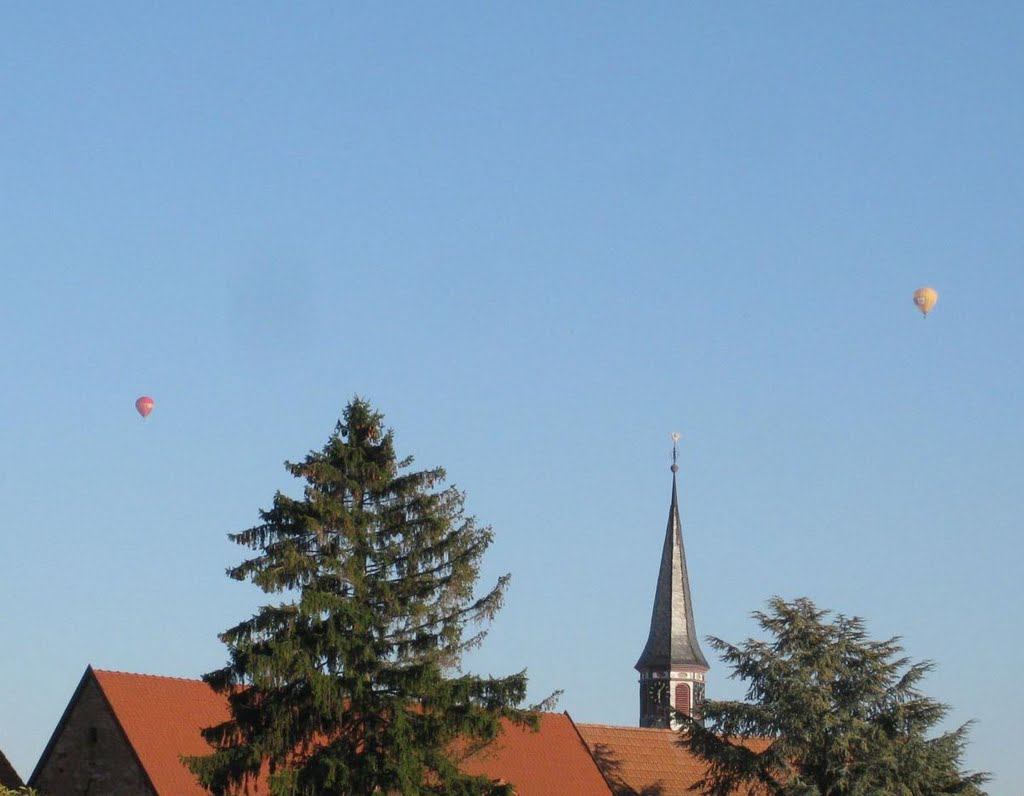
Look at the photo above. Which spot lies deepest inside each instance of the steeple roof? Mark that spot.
(672, 641)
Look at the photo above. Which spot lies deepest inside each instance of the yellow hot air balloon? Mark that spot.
(925, 298)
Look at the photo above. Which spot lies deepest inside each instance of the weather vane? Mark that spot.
(675, 450)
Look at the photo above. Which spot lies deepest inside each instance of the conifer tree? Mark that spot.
(350, 682)
(829, 712)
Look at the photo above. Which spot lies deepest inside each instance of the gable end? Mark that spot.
(89, 753)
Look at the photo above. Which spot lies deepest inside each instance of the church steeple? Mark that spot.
(672, 666)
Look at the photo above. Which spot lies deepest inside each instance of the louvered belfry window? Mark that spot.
(683, 698)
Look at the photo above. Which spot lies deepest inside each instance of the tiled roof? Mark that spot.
(8, 776)
(553, 760)
(162, 718)
(642, 762)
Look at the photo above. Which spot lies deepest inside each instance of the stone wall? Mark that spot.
(90, 756)
(8, 776)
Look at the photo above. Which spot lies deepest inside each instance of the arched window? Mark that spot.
(683, 698)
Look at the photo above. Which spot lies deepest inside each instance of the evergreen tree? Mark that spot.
(351, 683)
(828, 713)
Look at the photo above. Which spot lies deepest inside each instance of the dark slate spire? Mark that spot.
(672, 642)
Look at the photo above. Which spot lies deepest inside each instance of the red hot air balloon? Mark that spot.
(144, 406)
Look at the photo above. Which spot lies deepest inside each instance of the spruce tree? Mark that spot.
(829, 712)
(351, 683)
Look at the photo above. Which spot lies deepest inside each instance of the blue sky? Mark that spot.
(540, 237)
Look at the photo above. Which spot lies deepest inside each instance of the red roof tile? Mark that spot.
(643, 762)
(553, 760)
(162, 718)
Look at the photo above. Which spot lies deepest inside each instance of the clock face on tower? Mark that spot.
(655, 703)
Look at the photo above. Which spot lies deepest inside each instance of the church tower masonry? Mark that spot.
(672, 667)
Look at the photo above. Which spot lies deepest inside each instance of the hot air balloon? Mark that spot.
(144, 405)
(925, 298)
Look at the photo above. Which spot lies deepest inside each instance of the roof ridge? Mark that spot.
(150, 676)
(583, 742)
(629, 727)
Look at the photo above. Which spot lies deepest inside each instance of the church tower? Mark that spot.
(672, 667)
